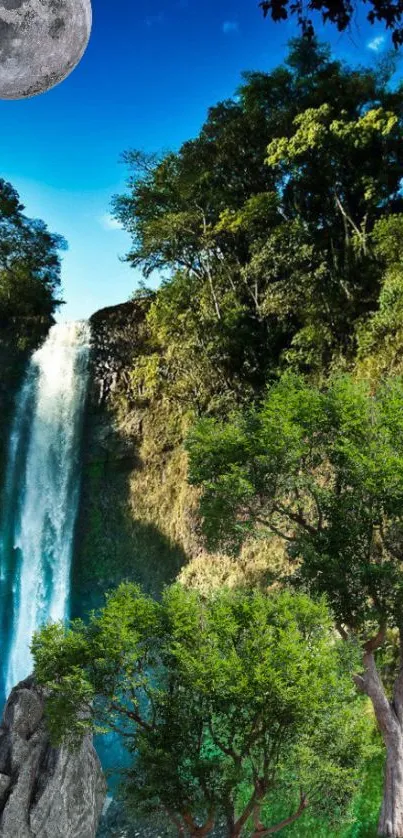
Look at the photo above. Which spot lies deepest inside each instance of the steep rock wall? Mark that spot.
(119, 534)
(45, 792)
(138, 516)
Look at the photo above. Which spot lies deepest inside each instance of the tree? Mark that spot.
(225, 703)
(29, 288)
(380, 336)
(338, 147)
(338, 12)
(29, 262)
(262, 227)
(324, 470)
(29, 275)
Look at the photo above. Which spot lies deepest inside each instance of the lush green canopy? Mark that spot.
(29, 269)
(263, 226)
(325, 470)
(29, 290)
(225, 703)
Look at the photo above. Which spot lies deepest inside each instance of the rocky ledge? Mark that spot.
(45, 792)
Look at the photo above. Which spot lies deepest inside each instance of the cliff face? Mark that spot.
(117, 534)
(137, 515)
(45, 792)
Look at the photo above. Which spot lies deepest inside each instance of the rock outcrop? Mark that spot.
(138, 516)
(119, 533)
(45, 792)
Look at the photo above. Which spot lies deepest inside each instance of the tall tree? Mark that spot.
(262, 224)
(324, 470)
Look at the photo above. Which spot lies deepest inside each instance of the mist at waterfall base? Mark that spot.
(40, 496)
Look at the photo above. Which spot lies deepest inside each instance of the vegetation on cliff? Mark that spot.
(272, 225)
(324, 470)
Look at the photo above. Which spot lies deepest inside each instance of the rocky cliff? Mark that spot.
(138, 516)
(129, 494)
(45, 792)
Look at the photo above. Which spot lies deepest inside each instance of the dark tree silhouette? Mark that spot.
(339, 12)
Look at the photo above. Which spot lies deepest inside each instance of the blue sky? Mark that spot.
(150, 72)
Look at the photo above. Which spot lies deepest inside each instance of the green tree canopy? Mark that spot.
(225, 703)
(29, 290)
(262, 228)
(380, 336)
(29, 264)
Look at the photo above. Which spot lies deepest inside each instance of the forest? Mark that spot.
(273, 349)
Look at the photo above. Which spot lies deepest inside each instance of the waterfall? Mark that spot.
(41, 495)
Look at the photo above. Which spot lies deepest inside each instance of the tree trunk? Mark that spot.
(391, 819)
(196, 831)
(389, 715)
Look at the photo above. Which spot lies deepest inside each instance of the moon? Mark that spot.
(41, 41)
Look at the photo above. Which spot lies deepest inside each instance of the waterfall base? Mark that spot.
(45, 792)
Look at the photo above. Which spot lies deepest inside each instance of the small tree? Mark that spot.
(325, 471)
(222, 702)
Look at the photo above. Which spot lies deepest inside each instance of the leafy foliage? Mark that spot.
(324, 469)
(263, 228)
(223, 702)
(277, 230)
(29, 269)
(29, 290)
(339, 12)
(380, 336)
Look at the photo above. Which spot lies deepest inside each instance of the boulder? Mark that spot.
(45, 792)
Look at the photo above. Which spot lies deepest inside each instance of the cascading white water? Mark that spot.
(41, 494)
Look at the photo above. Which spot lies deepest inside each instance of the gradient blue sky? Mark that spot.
(149, 74)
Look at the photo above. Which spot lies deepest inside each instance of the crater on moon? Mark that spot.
(41, 41)
(13, 4)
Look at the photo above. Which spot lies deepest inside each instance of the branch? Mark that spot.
(118, 730)
(254, 732)
(226, 750)
(270, 526)
(131, 715)
(296, 518)
(196, 830)
(318, 508)
(271, 830)
(257, 823)
(258, 794)
(376, 642)
(174, 819)
(342, 631)
(347, 217)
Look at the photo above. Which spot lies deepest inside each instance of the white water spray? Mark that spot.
(41, 493)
